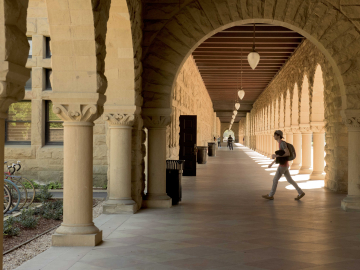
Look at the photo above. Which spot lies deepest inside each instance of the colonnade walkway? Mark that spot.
(223, 223)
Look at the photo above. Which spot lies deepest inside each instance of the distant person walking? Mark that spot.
(230, 142)
(281, 158)
(219, 141)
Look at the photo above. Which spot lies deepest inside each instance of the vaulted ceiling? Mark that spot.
(219, 62)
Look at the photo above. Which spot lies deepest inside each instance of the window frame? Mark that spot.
(47, 79)
(47, 126)
(19, 121)
(30, 79)
(30, 50)
(48, 52)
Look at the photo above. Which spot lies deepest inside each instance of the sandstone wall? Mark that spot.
(190, 97)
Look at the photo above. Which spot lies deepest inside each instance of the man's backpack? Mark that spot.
(292, 151)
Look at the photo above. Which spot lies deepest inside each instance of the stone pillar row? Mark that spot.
(297, 145)
(306, 139)
(156, 196)
(119, 184)
(352, 121)
(77, 228)
(318, 130)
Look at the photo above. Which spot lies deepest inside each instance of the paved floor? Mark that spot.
(223, 223)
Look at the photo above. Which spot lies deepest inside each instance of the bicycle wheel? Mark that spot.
(23, 193)
(7, 199)
(15, 195)
(30, 190)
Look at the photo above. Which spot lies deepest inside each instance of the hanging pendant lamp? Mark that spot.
(235, 112)
(253, 57)
(237, 105)
(241, 92)
(233, 116)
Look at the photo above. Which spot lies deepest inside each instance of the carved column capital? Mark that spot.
(78, 112)
(295, 129)
(351, 118)
(317, 127)
(119, 119)
(305, 128)
(288, 130)
(156, 121)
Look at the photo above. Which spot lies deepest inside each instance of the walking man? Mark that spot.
(230, 143)
(283, 168)
(219, 141)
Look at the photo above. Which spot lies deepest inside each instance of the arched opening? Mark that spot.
(295, 107)
(317, 98)
(227, 133)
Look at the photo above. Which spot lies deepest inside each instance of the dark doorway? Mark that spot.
(187, 151)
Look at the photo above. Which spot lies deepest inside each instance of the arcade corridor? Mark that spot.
(223, 223)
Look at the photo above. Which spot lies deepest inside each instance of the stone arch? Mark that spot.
(78, 33)
(288, 109)
(119, 61)
(317, 97)
(305, 102)
(295, 106)
(198, 20)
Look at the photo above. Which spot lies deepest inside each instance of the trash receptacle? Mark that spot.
(174, 170)
(212, 149)
(202, 154)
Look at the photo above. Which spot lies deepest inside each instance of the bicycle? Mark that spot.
(15, 195)
(7, 199)
(27, 183)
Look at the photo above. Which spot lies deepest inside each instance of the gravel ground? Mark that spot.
(39, 245)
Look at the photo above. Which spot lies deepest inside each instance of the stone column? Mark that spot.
(352, 120)
(318, 130)
(119, 188)
(269, 143)
(77, 228)
(297, 146)
(306, 137)
(289, 138)
(156, 196)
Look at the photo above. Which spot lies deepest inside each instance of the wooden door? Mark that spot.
(187, 152)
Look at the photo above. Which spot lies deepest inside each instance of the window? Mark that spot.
(54, 132)
(18, 123)
(47, 79)
(28, 84)
(47, 47)
(30, 50)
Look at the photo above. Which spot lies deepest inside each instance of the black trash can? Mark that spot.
(212, 149)
(174, 170)
(202, 154)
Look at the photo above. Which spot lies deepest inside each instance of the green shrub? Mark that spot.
(27, 218)
(9, 228)
(44, 194)
(51, 210)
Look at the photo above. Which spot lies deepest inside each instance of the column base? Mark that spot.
(120, 207)
(317, 176)
(157, 201)
(305, 170)
(76, 240)
(351, 204)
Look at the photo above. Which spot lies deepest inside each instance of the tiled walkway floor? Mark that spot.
(223, 223)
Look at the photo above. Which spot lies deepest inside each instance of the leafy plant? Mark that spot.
(51, 210)
(28, 186)
(9, 228)
(104, 186)
(27, 218)
(54, 185)
(44, 194)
